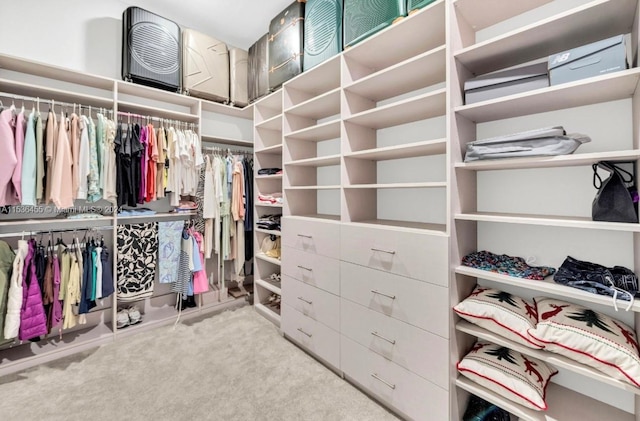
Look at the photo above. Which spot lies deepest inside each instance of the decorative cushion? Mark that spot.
(502, 313)
(508, 373)
(589, 337)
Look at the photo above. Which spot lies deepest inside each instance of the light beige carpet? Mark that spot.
(232, 366)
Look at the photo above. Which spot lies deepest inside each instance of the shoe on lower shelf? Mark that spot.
(122, 319)
(134, 315)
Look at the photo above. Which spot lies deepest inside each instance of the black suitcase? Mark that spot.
(259, 68)
(285, 44)
(322, 31)
(363, 18)
(414, 5)
(151, 50)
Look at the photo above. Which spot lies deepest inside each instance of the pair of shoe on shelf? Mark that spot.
(128, 316)
(275, 277)
(274, 301)
(189, 302)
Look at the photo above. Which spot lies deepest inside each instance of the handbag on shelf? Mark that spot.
(618, 281)
(617, 197)
(270, 246)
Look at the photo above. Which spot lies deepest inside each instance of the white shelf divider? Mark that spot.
(269, 286)
(409, 150)
(318, 133)
(425, 185)
(134, 108)
(486, 13)
(266, 258)
(273, 123)
(322, 161)
(318, 107)
(273, 150)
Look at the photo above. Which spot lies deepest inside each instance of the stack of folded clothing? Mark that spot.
(271, 198)
(269, 171)
(269, 222)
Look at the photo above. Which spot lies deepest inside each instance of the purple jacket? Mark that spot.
(33, 322)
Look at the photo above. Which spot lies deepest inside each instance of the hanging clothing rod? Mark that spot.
(158, 119)
(53, 102)
(59, 231)
(227, 150)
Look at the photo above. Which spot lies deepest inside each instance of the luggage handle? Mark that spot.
(290, 59)
(284, 28)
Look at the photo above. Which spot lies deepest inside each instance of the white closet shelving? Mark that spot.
(226, 125)
(267, 154)
(604, 107)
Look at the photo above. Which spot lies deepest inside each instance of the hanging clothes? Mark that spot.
(186, 266)
(152, 161)
(110, 165)
(162, 163)
(51, 139)
(29, 163)
(61, 189)
(200, 281)
(169, 246)
(9, 158)
(40, 158)
(137, 257)
(107, 273)
(9, 263)
(248, 218)
(73, 291)
(33, 322)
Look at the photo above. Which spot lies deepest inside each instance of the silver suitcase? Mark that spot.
(238, 73)
(206, 66)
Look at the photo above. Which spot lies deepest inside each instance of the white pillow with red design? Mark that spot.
(502, 313)
(589, 337)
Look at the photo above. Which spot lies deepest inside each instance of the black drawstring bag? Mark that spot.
(480, 410)
(614, 201)
(598, 279)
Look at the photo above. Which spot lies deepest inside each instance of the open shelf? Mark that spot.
(398, 185)
(323, 161)
(547, 286)
(421, 107)
(604, 18)
(564, 405)
(271, 232)
(266, 258)
(408, 150)
(414, 73)
(482, 14)
(321, 216)
(333, 187)
(218, 108)
(268, 313)
(593, 90)
(164, 216)
(318, 107)
(574, 160)
(422, 227)
(425, 30)
(25, 225)
(155, 94)
(45, 93)
(273, 123)
(548, 220)
(318, 133)
(552, 359)
(272, 150)
(269, 177)
(130, 107)
(268, 205)
(226, 140)
(273, 287)
(318, 80)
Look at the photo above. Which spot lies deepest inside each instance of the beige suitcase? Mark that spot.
(238, 73)
(205, 72)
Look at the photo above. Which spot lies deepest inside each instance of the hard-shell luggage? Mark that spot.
(151, 49)
(363, 18)
(414, 5)
(322, 31)
(206, 66)
(286, 45)
(259, 68)
(238, 70)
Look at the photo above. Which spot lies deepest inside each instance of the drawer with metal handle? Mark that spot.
(312, 269)
(312, 236)
(312, 302)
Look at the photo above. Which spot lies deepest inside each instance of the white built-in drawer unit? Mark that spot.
(406, 392)
(311, 335)
(313, 269)
(416, 255)
(311, 301)
(311, 235)
(418, 303)
(416, 350)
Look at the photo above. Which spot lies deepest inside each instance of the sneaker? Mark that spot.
(122, 319)
(134, 315)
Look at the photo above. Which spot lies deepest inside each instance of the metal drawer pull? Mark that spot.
(302, 267)
(306, 301)
(383, 251)
(393, 297)
(305, 236)
(308, 334)
(391, 341)
(375, 376)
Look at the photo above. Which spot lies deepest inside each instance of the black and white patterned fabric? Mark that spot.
(136, 266)
(198, 221)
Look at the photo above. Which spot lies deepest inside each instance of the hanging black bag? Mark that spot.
(614, 201)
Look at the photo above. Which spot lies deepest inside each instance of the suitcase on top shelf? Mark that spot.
(322, 31)
(206, 66)
(238, 81)
(151, 49)
(363, 18)
(259, 68)
(414, 5)
(286, 31)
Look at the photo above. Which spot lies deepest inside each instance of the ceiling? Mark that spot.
(237, 22)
